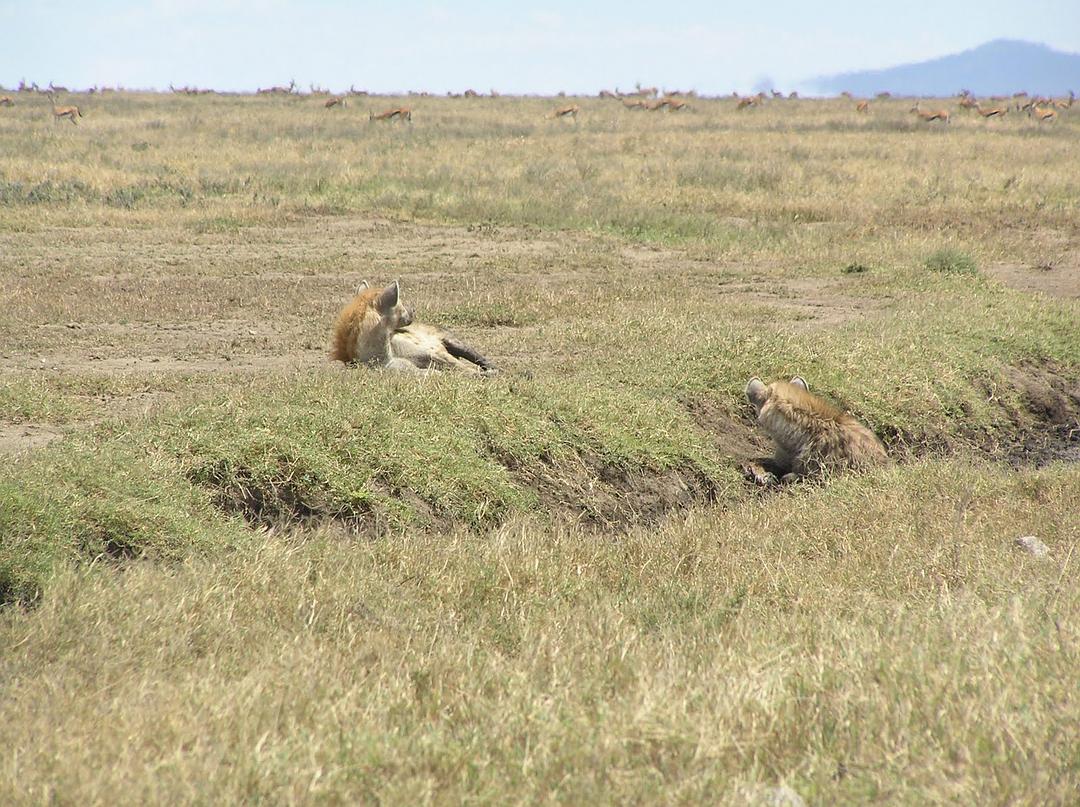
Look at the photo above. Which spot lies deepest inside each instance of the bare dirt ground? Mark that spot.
(1059, 279)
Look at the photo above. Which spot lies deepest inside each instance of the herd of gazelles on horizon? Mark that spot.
(1040, 108)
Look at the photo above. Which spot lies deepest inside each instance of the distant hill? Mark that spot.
(1001, 67)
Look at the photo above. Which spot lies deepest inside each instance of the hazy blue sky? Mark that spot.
(513, 47)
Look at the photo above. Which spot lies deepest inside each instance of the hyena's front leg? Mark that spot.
(759, 475)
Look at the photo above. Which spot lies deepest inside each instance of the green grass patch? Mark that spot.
(89, 500)
(951, 262)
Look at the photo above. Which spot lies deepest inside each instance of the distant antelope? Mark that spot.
(278, 90)
(607, 94)
(648, 92)
(471, 94)
(6, 100)
(401, 113)
(672, 104)
(845, 94)
(967, 102)
(566, 112)
(354, 91)
(883, 96)
(69, 112)
(1041, 114)
(634, 103)
(1066, 103)
(927, 115)
(53, 88)
(747, 102)
(777, 94)
(992, 112)
(335, 101)
(862, 106)
(793, 96)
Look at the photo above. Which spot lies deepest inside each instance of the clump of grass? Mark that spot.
(951, 261)
(85, 501)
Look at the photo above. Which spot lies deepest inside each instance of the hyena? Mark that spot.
(811, 435)
(376, 328)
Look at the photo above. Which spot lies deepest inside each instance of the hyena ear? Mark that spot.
(799, 381)
(363, 285)
(755, 391)
(389, 297)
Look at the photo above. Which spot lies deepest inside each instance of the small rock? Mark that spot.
(1033, 546)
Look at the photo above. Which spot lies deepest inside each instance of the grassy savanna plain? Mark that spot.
(233, 571)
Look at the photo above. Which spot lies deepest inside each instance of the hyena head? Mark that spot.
(392, 312)
(757, 392)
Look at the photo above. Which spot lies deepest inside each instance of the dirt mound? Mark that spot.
(597, 493)
(1044, 424)
(587, 489)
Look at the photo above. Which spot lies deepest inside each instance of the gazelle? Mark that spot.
(1065, 103)
(566, 112)
(928, 115)
(992, 112)
(335, 101)
(278, 90)
(747, 102)
(401, 113)
(1041, 114)
(862, 106)
(6, 100)
(968, 102)
(634, 104)
(69, 112)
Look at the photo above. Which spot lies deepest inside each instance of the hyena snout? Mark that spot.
(406, 318)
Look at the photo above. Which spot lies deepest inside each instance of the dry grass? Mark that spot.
(471, 613)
